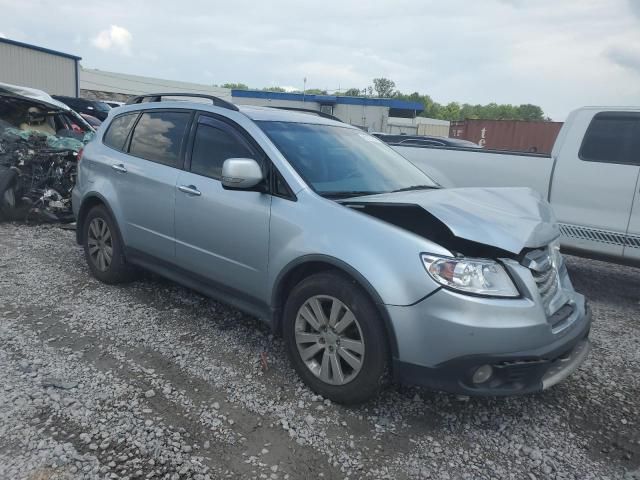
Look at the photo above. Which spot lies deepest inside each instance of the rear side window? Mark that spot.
(212, 146)
(612, 138)
(118, 131)
(158, 136)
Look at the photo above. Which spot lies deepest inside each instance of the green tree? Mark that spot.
(315, 91)
(384, 87)
(530, 112)
(352, 92)
(235, 86)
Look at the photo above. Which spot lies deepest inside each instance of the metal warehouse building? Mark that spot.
(104, 85)
(30, 66)
(371, 114)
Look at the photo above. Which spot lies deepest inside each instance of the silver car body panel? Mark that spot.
(249, 240)
(507, 218)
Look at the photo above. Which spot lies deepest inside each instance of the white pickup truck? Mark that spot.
(591, 178)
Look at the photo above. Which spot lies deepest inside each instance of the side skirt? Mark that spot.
(205, 286)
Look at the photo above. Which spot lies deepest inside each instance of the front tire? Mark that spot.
(104, 249)
(335, 338)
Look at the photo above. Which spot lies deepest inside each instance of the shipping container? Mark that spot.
(517, 135)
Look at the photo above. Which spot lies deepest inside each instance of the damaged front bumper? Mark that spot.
(39, 142)
(489, 346)
(514, 373)
(37, 174)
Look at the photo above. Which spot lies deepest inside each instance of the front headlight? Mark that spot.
(470, 275)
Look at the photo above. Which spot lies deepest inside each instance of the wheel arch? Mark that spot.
(308, 265)
(90, 201)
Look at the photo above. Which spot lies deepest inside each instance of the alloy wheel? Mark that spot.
(329, 340)
(100, 244)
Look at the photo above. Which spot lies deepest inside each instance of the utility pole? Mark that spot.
(304, 89)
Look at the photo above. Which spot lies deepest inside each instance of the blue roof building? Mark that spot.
(370, 114)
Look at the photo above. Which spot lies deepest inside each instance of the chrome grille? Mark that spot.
(545, 275)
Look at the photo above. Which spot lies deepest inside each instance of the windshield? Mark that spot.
(101, 106)
(338, 161)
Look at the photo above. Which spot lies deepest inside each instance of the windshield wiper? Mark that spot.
(348, 194)
(416, 187)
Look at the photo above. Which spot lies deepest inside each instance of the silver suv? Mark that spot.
(357, 258)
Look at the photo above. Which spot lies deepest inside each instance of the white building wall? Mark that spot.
(27, 67)
(418, 126)
(267, 102)
(371, 118)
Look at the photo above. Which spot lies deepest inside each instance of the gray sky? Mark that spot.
(559, 54)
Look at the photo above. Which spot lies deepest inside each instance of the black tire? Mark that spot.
(7, 193)
(375, 362)
(117, 271)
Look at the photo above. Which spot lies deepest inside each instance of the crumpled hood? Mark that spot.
(507, 218)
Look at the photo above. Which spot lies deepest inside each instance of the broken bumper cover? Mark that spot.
(514, 373)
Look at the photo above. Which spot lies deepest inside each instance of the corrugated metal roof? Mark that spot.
(105, 81)
(39, 49)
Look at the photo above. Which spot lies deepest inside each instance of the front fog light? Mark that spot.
(482, 374)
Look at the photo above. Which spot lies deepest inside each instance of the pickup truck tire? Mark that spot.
(104, 249)
(335, 338)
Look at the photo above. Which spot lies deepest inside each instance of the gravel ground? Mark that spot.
(151, 380)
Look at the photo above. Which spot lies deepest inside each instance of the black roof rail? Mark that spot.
(309, 110)
(157, 97)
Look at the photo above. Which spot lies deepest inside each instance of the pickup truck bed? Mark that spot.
(459, 167)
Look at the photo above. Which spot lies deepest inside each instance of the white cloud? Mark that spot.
(559, 55)
(114, 38)
(2, 35)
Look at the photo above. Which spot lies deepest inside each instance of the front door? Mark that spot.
(222, 235)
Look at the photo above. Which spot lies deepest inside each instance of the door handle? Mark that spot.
(119, 167)
(190, 189)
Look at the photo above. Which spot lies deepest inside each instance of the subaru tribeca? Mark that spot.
(356, 257)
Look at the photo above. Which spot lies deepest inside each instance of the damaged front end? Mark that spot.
(39, 144)
(471, 222)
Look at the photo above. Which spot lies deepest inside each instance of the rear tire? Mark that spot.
(335, 338)
(104, 249)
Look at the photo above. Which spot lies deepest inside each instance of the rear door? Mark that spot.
(222, 235)
(146, 179)
(595, 179)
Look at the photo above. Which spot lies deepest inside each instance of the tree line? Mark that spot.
(386, 88)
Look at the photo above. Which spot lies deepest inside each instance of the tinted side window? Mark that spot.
(118, 130)
(212, 146)
(612, 138)
(158, 136)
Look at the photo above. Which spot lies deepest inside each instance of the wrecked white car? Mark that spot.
(39, 143)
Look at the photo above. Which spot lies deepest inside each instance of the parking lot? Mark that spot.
(153, 380)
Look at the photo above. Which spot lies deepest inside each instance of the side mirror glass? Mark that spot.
(241, 173)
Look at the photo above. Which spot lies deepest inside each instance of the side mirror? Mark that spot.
(241, 173)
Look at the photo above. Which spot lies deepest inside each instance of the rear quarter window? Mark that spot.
(612, 137)
(118, 130)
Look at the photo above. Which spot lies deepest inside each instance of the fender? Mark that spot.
(349, 270)
(82, 213)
